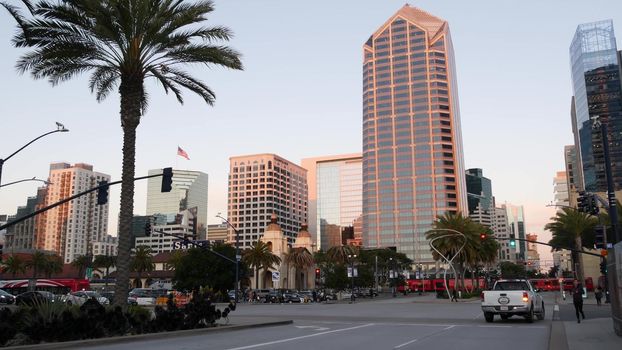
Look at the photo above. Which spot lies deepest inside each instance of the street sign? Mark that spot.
(89, 272)
(276, 276)
(351, 270)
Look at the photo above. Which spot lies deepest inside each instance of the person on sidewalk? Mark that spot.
(599, 295)
(577, 299)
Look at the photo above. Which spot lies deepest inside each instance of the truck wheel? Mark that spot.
(489, 316)
(541, 314)
(530, 315)
(504, 317)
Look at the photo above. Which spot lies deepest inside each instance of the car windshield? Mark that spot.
(2, 292)
(511, 286)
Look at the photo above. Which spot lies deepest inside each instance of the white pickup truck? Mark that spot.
(512, 298)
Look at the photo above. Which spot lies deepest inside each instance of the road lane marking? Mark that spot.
(315, 328)
(301, 337)
(427, 336)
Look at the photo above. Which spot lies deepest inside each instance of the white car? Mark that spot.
(80, 297)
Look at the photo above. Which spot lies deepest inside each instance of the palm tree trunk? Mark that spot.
(579, 263)
(131, 97)
(256, 277)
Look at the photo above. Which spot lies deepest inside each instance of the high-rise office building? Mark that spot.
(71, 228)
(596, 82)
(573, 173)
(413, 166)
(501, 230)
(260, 185)
(189, 192)
(517, 226)
(335, 199)
(22, 236)
(479, 196)
(560, 190)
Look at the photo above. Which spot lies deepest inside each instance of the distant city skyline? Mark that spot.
(300, 96)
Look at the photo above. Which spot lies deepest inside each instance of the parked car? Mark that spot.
(34, 297)
(261, 295)
(145, 296)
(109, 294)
(6, 298)
(80, 297)
(293, 298)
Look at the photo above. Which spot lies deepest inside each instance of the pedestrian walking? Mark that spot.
(577, 299)
(599, 295)
(454, 295)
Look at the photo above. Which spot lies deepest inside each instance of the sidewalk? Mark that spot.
(591, 333)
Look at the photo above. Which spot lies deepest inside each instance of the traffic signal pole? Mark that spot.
(37, 212)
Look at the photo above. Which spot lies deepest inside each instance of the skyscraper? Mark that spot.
(560, 190)
(413, 166)
(263, 184)
(189, 192)
(517, 226)
(22, 236)
(479, 196)
(70, 229)
(596, 82)
(335, 198)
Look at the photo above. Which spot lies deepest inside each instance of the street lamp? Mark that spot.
(59, 128)
(24, 180)
(237, 255)
(351, 257)
(393, 275)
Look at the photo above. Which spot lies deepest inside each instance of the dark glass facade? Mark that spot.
(597, 89)
(479, 195)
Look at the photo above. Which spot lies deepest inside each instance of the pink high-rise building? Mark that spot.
(262, 184)
(71, 228)
(413, 167)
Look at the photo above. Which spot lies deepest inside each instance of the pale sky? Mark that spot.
(300, 96)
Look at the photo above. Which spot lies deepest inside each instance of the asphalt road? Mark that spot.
(414, 322)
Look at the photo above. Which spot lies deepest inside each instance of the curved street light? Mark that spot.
(237, 255)
(449, 261)
(59, 128)
(24, 180)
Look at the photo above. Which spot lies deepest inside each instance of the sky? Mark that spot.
(300, 95)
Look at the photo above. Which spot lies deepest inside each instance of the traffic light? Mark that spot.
(603, 266)
(318, 273)
(512, 240)
(148, 228)
(102, 193)
(583, 202)
(482, 236)
(599, 237)
(167, 180)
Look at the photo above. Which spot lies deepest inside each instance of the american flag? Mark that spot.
(181, 152)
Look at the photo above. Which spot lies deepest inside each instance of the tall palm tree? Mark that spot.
(54, 264)
(142, 261)
(106, 262)
(14, 265)
(122, 43)
(568, 226)
(339, 254)
(37, 263)
(81, 262)
(260, 256)
(301, 259)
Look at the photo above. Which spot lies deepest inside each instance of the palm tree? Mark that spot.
(568, 226)
(301, 259)
(260, 256)
(81, 262)
(142, 262)
(106, 262)
(339, 254)
(54, 264)
(36, 263)
(122, 43)
(14, 265)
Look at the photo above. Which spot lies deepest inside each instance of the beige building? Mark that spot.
(219, 232)
(533, 257)
(70, 229)
(260, 185)
(413, 165)
(286, 276)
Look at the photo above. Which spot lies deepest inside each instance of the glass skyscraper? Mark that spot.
(595, 65)
(335, 199)
(413, 167)
(479, 196)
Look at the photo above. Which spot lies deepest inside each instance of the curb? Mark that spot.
(557, 334)
(77, 344)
